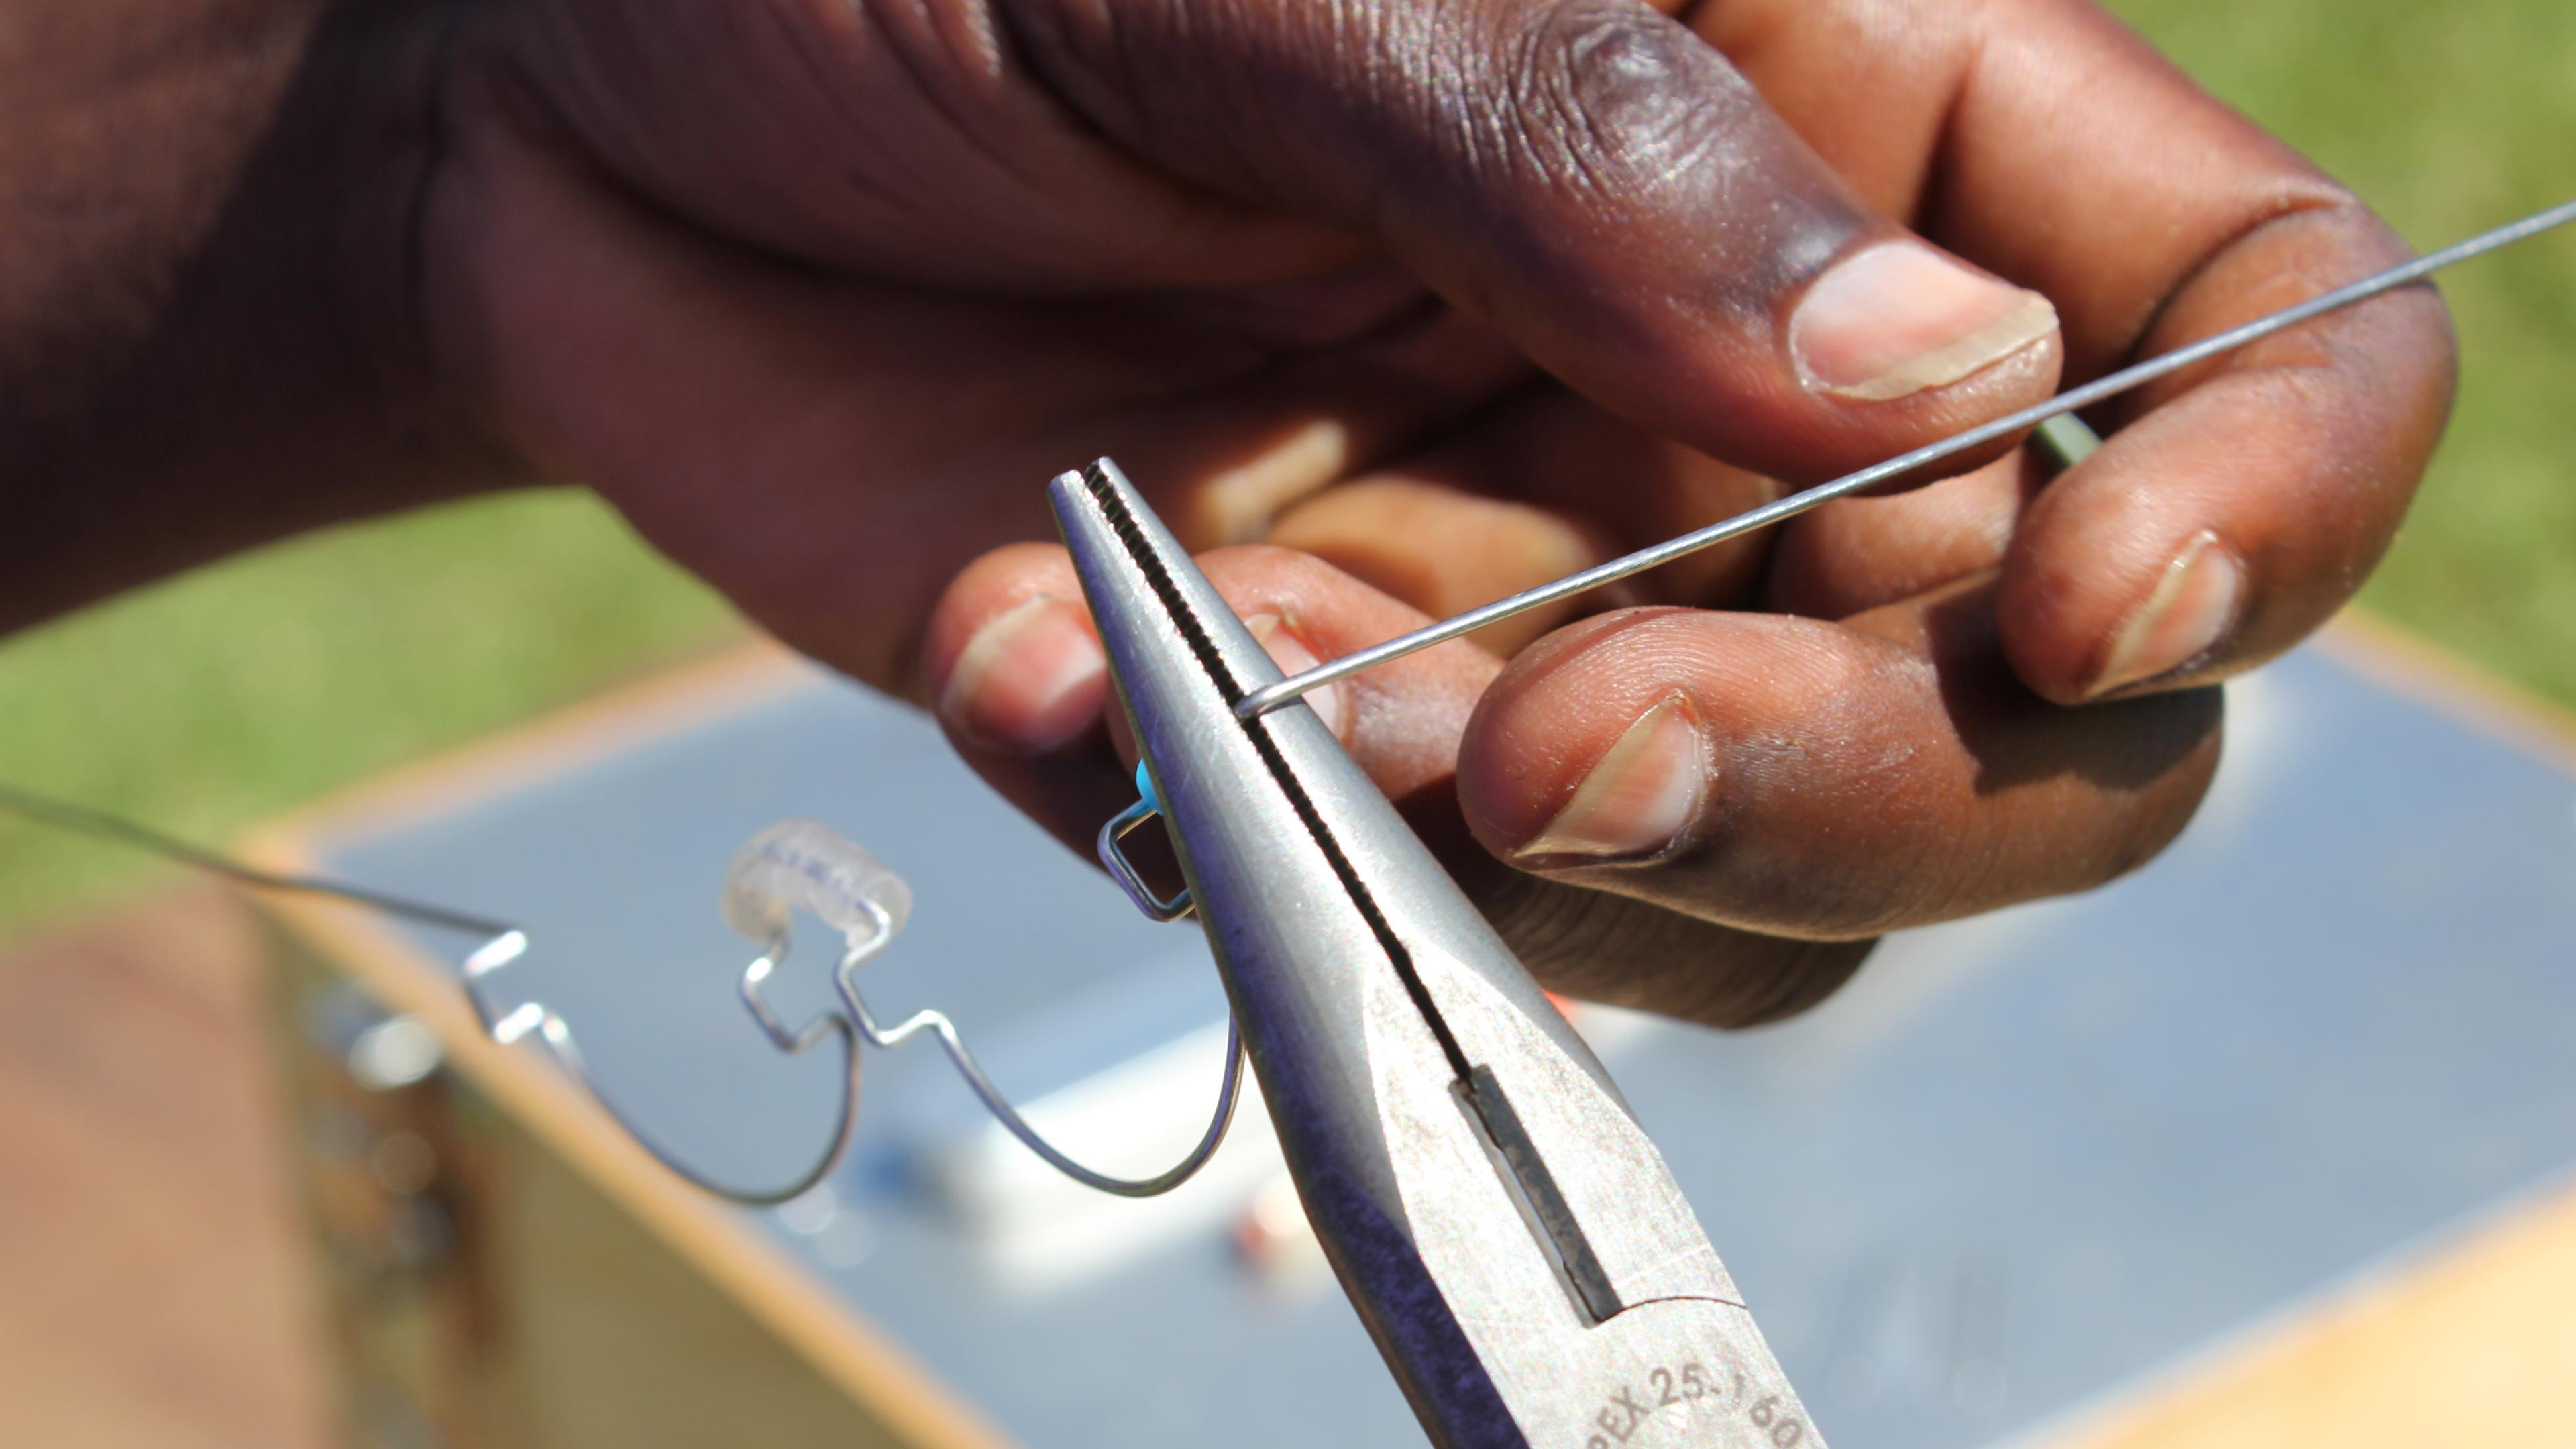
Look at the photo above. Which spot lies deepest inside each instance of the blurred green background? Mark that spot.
(238, 691)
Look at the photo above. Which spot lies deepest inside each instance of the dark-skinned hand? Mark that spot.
(1395, 306)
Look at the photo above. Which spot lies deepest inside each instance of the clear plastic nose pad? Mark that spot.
(802, 865)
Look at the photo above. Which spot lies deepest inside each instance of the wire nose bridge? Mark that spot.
(801, 865)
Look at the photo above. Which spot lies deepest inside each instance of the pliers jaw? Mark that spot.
(1510, 1236)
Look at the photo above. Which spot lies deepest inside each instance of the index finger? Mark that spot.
(2238, 505)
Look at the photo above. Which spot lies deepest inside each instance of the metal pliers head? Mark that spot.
(1513, 1241)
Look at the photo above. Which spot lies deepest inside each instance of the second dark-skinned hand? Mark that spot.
(1394, 306)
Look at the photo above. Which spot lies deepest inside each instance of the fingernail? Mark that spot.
(2193, 606)
(1900, 317)
(1293, 657)
(1642, 795)
(1031, 680)
(1238, 504)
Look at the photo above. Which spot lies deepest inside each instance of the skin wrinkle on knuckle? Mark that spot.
(1552, 931)
(1097, 56)
(1627, 953)
(1079, 36)
(1805, 974)
(875, 187)
(1269, 101)
(1627, 103)
(1620, 126)
(2286, 205)
(967, 34)
(956, 57)
(2307, 236)
(807, 88)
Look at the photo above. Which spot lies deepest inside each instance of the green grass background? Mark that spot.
(211, 701)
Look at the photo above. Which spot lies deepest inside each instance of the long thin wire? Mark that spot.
(504, 944)
(1270, 697)
(63, 815)
(1229, 1093)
